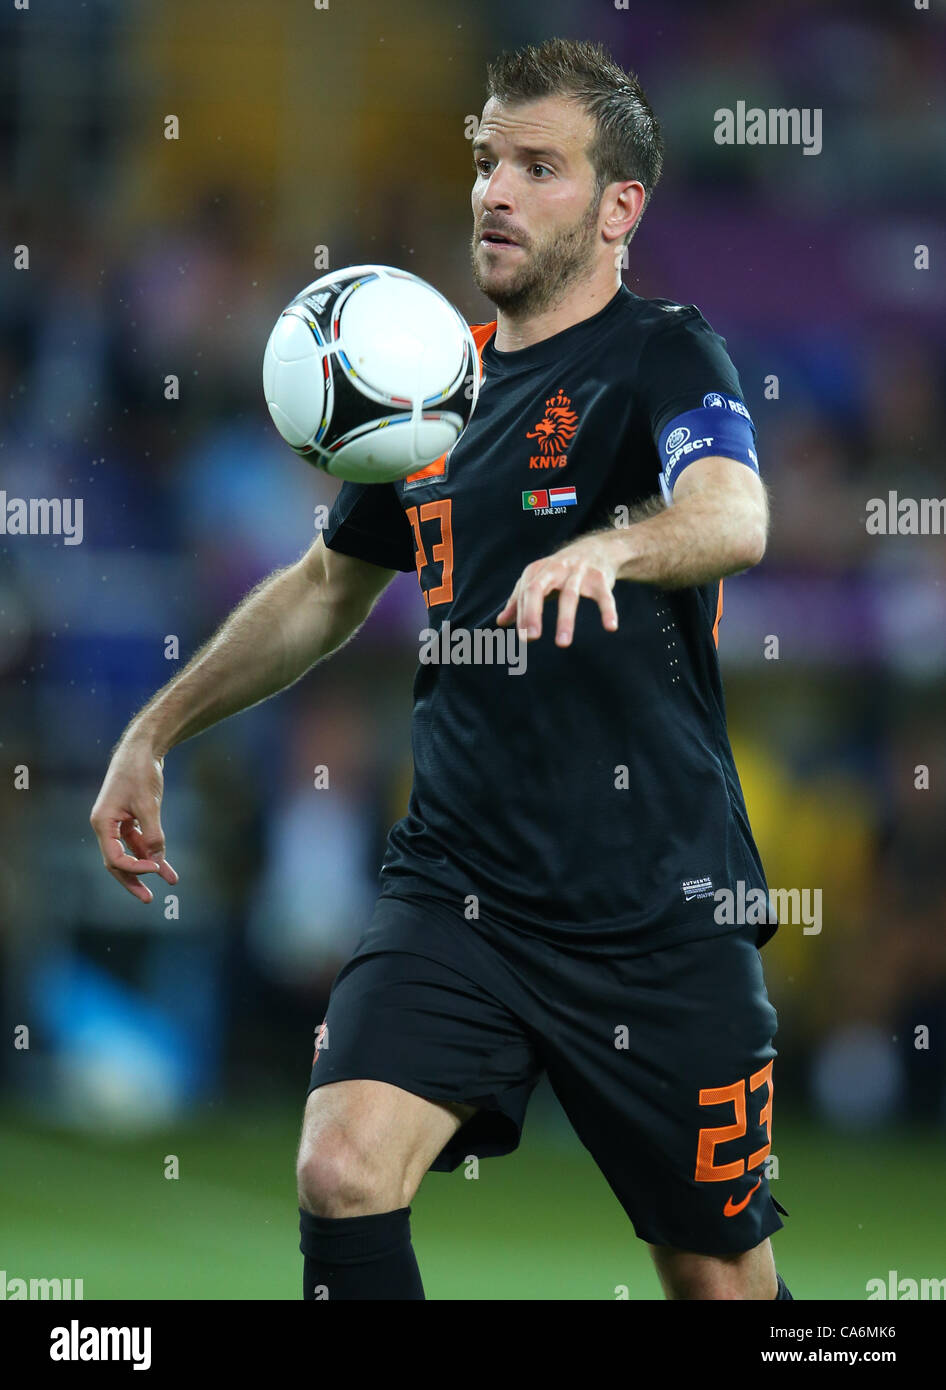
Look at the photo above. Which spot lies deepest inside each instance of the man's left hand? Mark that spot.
(585, 569)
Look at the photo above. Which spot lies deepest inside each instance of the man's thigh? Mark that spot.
(663, 1064)
(424, 1008)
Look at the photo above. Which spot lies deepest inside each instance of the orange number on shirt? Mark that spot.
(441, 552)
(706, 1169)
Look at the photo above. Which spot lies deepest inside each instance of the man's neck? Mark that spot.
(581, 302)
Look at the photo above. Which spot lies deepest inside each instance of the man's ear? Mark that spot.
(625, 203)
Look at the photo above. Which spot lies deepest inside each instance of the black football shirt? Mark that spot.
(591, 798)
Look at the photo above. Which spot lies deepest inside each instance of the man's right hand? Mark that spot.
(291, 621)
(127, 821)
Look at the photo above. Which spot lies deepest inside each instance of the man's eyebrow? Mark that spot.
(556, 156)
(533, 152)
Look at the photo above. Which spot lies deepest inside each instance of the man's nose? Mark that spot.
(498, 194)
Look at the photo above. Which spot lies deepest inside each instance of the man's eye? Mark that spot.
(541, 166)
(478, 165)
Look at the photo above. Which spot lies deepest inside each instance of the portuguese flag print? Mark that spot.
(535, 497)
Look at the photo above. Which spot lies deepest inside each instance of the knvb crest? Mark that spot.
(555, 431)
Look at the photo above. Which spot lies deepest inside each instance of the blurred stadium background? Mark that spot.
(343, 128)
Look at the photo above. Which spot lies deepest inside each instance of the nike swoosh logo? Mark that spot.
(730, 1210)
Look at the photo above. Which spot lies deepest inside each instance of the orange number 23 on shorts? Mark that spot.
(706, 1169)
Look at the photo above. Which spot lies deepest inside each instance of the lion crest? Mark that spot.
(557, 427)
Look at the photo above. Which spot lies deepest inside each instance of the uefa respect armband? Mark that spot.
(722, 425)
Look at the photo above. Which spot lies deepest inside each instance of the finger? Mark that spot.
(596, 585)
(152, 836)
(567, 608)
(510, 613)
(134, 885)
(115, 854)
(531, 599)
(607, 604)
(553, 576)
(508, 610)
(134, 837)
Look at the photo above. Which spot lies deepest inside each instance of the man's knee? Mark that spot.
(366, 1146)
(337, 1178)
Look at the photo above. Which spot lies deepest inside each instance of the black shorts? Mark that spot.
(662, 1062)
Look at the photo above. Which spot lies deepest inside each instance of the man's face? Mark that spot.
(534, 187)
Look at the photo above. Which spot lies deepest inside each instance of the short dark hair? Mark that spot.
(627, 143)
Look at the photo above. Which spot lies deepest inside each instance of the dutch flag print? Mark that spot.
(563, 497)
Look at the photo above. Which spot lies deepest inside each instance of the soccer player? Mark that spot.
(548, 903)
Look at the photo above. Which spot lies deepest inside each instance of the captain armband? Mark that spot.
(722, 425)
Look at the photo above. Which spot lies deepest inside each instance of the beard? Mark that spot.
(547, 269)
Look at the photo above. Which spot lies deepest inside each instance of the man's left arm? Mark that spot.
(717, 525)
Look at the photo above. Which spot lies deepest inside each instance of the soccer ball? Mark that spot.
(371, 374)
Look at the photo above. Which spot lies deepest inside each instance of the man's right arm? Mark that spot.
(285, 625)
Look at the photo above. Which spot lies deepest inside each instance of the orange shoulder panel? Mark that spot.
(482, 332)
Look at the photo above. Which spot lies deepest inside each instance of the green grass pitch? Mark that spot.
(538, 1224)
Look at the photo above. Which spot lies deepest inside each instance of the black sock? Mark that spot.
(782, 1289)
(352, 1257)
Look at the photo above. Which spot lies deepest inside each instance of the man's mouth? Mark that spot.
(497, 239)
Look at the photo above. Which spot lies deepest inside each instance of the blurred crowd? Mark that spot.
(152, 258)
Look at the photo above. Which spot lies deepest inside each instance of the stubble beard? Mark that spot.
(548, 271)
